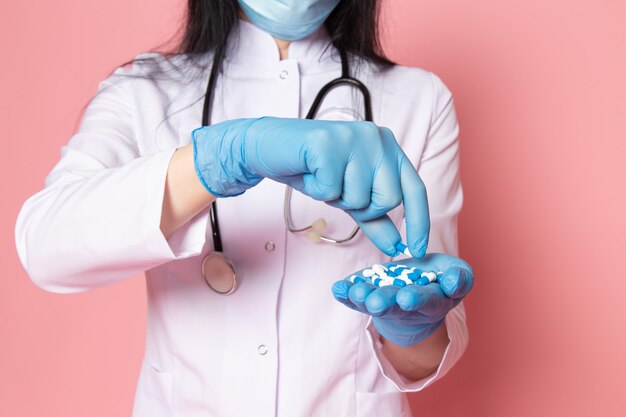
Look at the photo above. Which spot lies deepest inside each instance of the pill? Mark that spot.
(402, 248)
(432, 276)
(405, 277)
(426, 278)
(379, 269)
(368, 272)
(355, 279)
(399, 268)
(399, 283)
(422, 281)
(381, 282)
(414, 275)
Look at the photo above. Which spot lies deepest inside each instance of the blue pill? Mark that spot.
(423, 281)
(431, 276)
(399, 283)
(401, 248)
(380, 282)
(414, 276)
(358, 279)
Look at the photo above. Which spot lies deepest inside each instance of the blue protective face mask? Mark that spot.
(288, 19)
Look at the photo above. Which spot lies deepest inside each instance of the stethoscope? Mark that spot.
(218, 270)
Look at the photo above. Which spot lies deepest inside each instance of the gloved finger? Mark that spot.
(457, 282)
(386, 193)
(340, 291)
(415, 209)
(358, 293)
(357, 186)
(270, 148)
(381, 301)
(383, 233)
(373, 211)
(428, 300)
(325, 180)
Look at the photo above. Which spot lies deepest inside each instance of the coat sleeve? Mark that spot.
(439, 169)
(97, 219)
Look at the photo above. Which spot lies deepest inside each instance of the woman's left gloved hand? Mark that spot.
(408, 315)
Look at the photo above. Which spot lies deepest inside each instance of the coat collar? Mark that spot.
(254, 48)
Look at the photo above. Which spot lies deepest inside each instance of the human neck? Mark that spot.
(283, 47)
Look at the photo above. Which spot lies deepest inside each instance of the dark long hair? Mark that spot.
(353, 27)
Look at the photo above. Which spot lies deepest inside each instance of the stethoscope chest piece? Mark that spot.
(219, 273)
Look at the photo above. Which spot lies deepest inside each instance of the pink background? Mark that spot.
(541, 97)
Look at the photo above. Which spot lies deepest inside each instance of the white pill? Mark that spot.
(432, 276)
(404, 278)
(379, 269)
(355, 279)
(368, 272)
(388, 278)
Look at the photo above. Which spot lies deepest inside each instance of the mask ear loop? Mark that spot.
(219, 271)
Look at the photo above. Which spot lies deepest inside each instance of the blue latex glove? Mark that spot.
(356, 166)
(408, 315)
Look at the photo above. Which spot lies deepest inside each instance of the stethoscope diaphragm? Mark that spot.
(219, 273)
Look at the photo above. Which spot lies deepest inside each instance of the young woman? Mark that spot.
(241, 319)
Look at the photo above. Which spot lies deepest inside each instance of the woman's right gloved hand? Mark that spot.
(356, 166)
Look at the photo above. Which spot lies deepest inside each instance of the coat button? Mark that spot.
(262, 350)
(283, 74)
(270, 246)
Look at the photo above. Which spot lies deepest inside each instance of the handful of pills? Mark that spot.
(395, 274)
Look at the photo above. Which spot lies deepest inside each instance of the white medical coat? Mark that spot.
(280, 345)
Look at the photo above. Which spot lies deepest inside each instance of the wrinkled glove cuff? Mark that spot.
(219, 159)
